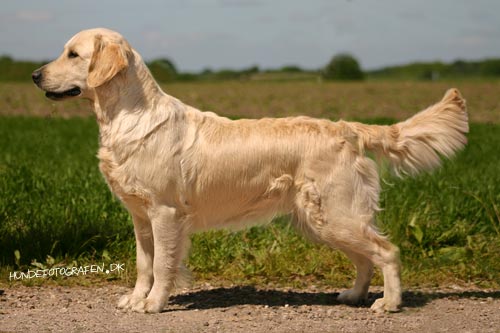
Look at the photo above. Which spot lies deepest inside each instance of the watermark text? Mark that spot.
(67, 271)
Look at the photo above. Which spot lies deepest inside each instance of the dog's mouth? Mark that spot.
(73, 92)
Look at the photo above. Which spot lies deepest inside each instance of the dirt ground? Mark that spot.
(244, 309)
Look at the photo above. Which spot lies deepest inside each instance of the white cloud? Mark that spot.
(239, 3)
(34, 16)
(471, 41)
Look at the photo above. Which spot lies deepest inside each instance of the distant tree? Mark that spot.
(226, 74)
(460, 67)
(250, 70)
(163, 70)
(187, 77)
(207, 71)
(490, 67)
(290, 69)
(343, 67)
(12, 70)
(5, 59)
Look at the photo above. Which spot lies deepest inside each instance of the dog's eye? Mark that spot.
(72, 54)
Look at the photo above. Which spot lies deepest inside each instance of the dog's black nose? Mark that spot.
(37, 76)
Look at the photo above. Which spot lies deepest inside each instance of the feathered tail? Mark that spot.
(418, 143)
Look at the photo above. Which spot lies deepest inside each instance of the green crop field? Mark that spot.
(55, 208)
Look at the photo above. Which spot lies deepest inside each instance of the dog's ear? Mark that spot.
(107, 60)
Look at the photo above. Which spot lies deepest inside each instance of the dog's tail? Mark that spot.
(418, 143)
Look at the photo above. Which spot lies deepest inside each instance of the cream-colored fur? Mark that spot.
(179, 170)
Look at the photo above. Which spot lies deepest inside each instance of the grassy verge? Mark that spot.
(249, 99)
(56, 210)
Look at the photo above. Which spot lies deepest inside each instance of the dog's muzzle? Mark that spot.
(60, 95)
(37, 77)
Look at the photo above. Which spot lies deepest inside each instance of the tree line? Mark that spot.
(340, 67)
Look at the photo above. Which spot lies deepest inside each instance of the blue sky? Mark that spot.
(218, 34)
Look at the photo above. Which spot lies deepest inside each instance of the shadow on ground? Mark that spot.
(229, 297)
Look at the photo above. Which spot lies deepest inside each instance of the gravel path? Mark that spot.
(244, 309)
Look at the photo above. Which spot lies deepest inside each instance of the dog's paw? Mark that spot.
(381, 305)
(128, 301)
(351, 297)
(148, 305)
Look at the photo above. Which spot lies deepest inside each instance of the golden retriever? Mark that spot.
(179, 170)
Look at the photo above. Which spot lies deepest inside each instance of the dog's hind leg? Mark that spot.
(361, 242)
(337, 208)
(386, 256)
(364, 273)
(365, 246)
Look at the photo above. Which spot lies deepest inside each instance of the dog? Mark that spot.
(179, 170)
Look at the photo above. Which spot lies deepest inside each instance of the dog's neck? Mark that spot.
(131, 98)
(132, 91)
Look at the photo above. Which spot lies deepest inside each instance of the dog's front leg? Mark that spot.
(170, 240)
(144, 250)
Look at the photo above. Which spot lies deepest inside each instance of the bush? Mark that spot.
(490, 67)
(343, 67)
(163, 70)
(291, 69)
(12, 70)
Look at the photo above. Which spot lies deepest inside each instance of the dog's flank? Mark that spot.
(179, 170)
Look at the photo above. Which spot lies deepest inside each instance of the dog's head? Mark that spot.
(90, 59)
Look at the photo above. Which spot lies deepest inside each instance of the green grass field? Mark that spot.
(55, 207)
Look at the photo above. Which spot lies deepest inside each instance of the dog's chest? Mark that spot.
(121, 181)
